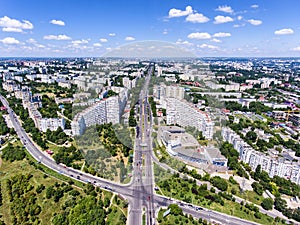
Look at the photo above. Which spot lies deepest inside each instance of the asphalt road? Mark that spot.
(142, 181)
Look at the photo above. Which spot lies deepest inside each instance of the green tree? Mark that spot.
(258, 188)
(267, 203)
(257, 172)
(175, 209)
(219, 183)
(251, 135)
(12, 153)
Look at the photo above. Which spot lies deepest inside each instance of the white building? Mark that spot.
(104, 111)
(175, 92)
(162, 91)
(272, 165)
(185, 114)
(51, 123)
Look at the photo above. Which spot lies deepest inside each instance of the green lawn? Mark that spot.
(247, 195)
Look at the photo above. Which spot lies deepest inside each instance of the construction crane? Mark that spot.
(288, 113)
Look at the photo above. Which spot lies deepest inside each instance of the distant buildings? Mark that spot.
(32, 103)
(162, 91)
(295, 119)
(274, 166)
(129, 83)
(43, 124)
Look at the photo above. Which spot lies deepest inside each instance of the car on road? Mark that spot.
(108, 188)
(49, 152)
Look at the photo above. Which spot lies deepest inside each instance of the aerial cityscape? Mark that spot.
(149, 112)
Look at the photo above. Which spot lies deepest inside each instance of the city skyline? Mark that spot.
(252, 28)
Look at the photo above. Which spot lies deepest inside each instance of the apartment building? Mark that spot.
(104, 111)
(163, 91)
(51, 123)
(295, 119)
(129, 83)
(185, 114)
(10, 86)
(274, 166)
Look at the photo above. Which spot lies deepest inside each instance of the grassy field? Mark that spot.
(247, 195)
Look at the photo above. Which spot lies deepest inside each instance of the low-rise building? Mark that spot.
(51, 123)
(181, 144)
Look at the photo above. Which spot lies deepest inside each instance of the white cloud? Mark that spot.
(216, 40)
(186, 43)
(198, 35)
(239, 17)
(31, 41)
(222, 34)
(97, 45)
(208, 46)
(34, 43)
(178, 13)
(60, 37)
(12, 29)
(165, 31)
(225, 8)
(254, 6)
(10, 40)
(222, 19)
(58, 22)
(112, 34)
(57, 50)
(103, 40)
(40, 46)
(129, 39)
(296, 49)
(13, 25)
(239, 25)
(255, 22)
(284, 31)
(78, 42)
(197, 18)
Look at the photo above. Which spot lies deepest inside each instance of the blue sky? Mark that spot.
(207, 28)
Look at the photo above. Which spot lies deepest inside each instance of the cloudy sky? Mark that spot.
(206, 28)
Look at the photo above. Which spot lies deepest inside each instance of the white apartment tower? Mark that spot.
(185, 114)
